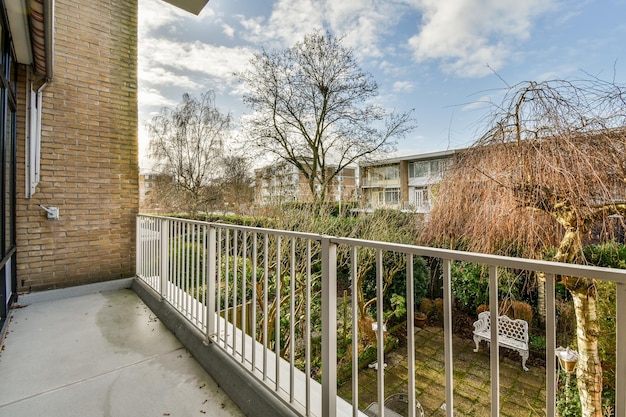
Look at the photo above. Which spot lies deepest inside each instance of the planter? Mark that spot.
(419, 321)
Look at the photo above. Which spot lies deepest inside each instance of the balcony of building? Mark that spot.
(216, 286)
(97, 350)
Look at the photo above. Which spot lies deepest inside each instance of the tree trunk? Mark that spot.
(541, 296)
(584, 293)
(589, 369)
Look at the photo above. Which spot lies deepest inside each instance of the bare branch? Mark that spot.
(311, 107)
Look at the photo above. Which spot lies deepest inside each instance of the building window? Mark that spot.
(422, 169)
(8, 79)
(389, 172)
(392, 196)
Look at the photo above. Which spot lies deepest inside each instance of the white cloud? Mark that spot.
(403, 86)
(467, 35)
(363, 22)
(153, 97)
(156, 75)
(155, 14)
(479, 104)
(214, 61)
(288, 22)
(228, 30)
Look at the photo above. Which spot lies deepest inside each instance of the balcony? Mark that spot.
(98, 350)
(215, 287)
(222, 279)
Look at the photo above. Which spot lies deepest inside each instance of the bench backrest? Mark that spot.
(515, 329)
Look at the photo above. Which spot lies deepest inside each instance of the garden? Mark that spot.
(520, 296)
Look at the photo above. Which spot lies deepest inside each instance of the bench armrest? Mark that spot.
(480, 325)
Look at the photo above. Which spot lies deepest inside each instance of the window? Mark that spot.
(418, 169)
(392, 196)
(8, 81)
(384, 173)
(392, 172)
(421, 169)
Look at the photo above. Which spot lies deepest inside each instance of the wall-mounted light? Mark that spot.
(53, 212)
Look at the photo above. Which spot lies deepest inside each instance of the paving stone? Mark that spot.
(512, 409)
(522, 393)
(464, 406)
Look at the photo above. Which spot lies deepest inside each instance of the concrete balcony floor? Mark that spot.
(102, 354)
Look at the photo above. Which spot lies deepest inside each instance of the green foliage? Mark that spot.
(470, 285)
(567, 398)
(329, 207)
(610, 255)
(189, 256)
(398, 306)
(537, 342)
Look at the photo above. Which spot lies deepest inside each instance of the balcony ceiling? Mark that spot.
(192, 6)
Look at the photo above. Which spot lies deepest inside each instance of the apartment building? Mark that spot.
(403, 183)
(282, 182)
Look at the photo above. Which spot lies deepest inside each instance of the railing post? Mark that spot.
(447, 332)
(138, 245)
(493, 350)
(329, 328)
(410, 336)
(550, 345)
(620, 336)
(380, 334)
(211, 284)
(165, 235)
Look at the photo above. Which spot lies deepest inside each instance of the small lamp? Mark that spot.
(567, 359)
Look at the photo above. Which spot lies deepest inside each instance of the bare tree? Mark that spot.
(312, 107)
(237, 181)
(550, 166)
(186, 143)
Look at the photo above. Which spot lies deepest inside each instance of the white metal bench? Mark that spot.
(512, 334)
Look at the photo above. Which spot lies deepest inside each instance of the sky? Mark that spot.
(449, 60)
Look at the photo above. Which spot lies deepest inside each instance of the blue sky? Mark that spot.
(447, 59)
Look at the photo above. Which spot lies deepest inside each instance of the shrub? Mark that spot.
(481, 308)
(470, 287)
(438, 311)
(427, 306)
(522, 310)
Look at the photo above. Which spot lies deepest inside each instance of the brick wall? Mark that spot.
(89, 165)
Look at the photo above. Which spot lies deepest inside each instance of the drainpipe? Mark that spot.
(48, 8)
(33, 157)
(35, 102)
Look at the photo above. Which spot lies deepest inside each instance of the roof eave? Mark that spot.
(192, 6)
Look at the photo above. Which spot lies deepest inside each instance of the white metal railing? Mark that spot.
(223, 278)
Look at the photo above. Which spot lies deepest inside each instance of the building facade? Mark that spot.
(87, 150)
(405, 183)
(282, 182)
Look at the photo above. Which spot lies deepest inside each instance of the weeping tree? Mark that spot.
(550, 166)
(186, 145)
(312, 106)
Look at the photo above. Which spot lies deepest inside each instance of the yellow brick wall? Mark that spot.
(89, 165)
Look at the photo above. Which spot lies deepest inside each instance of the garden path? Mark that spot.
(521, 393)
